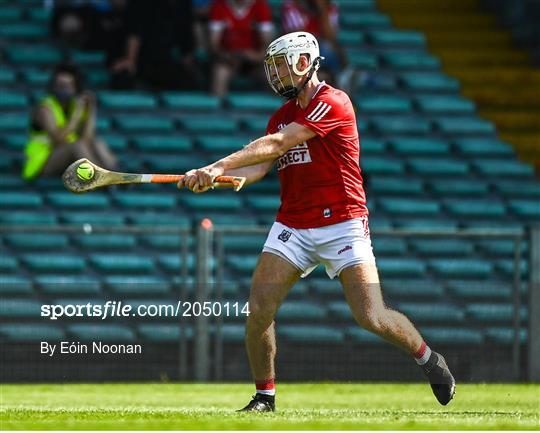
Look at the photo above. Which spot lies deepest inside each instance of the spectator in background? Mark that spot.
(240, 30)
(320, 18)
(160, 46)
(63, 128)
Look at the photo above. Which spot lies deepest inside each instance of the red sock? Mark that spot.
(266, 387)
(421, 356)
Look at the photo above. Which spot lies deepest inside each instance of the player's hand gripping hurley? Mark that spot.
(83, 176)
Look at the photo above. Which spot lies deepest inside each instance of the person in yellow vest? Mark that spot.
(62, 128)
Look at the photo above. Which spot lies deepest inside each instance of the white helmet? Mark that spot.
(289, 47)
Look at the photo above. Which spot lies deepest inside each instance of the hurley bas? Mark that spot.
(95, 347)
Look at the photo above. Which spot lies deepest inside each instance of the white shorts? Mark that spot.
(336, 246)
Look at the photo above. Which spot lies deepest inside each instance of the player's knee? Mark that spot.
(260, 317)
(374, 321)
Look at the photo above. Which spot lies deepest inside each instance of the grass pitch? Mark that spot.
(325, 406)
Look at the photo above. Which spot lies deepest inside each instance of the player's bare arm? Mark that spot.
(262, 150)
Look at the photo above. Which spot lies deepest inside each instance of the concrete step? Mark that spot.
(497, 76)
(514, 120)
(446, 21)
(428, 5)
(470, 57)
(470, 39)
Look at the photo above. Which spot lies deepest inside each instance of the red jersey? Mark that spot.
(297, 17)
(240, 26)
(321, 181)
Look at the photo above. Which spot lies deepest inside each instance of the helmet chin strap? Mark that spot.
(293, 92)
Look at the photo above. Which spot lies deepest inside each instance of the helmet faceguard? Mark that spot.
(281, 62)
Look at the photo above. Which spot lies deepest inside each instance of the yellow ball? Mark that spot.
(85, 171)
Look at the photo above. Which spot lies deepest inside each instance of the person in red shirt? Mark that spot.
(239, 32)
(322, 219)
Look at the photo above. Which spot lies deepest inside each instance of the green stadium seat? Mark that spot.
(433, 312)
(339, 310)
(7, 76)
(22, 332)
(173, 263)
(507, 267)
(400, 267)
(453, 335)
(380, 165)
(162, 143)
(350, 38)
(37, 241)
(11, 181)
(93, 218)
(310, 334)
(419, 146)
(242, 264)
(395, 125)
(464, 126)
(97, 77)
(41, 15)
(428, 81)
(493, 313)
(33, 54)
(130, 285)
(359, 335)
(78, 201)
(100, 332)
(389, 246)
(143, 200)
(298, 311)
(88, 58)
(226, 219)
(505, 335)
(13, 100)
(404, 206)
(528, 209)
(425, 224)
(51, 263)
(475, 208)
(139, 123)
(384, 104)
(412, 288)
(18, 308)
(103, 124)
(255, 124)
(49, 184)
(396, 186)
(27, 218)
(164, 241)
(23, 31)
(461, 268)
(232, 333)
(410, 59)
(190, 101)
(160, 219)
(8, 263)
(369, 145)
(105, 241)
(126, 100)
(437, 104)
(509, 226)
(353, 5)
(325, 287)
(15, 285)
(122, 263)
(362, 20)
(225, 202)
(176, 164)
(501, 247)
(487, 147)
(115, 141)
(442, 247)
(10, 13)
(458, 187)
(14, 122)
(221, 143)
(164, 333)
(18, 200)
(264, 203)
(438, 167)
(503, 168)
(405, 38)
(209, 124)
(487, 290)
(243, 243)
(514, 188)
(253, 102)
(61, 285)
(362, 59)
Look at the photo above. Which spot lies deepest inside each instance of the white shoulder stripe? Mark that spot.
(319, 105)
(320, 116)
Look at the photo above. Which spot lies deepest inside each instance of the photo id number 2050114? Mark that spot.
(208, 308)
